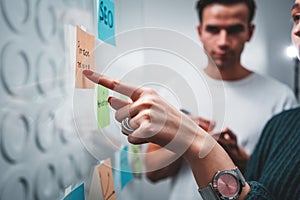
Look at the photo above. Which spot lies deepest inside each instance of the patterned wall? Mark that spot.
(40, 153)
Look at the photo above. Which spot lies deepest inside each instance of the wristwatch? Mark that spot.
(226, 185)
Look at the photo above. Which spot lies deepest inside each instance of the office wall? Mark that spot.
(40, 153)
(274, 33)
(40, 150)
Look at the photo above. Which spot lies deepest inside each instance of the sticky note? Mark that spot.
(126, 173)
(116, 171)
(136, 161)
(76, 194)
(95, 186)
(106, 21)
(85, 58)
(102, 107)
(107, 181)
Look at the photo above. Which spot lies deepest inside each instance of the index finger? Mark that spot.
(113, 84)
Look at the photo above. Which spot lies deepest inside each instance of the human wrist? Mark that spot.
(200, 147)
(245, 192)
(226, 184)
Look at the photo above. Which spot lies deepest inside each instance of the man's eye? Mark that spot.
(212, 29)
(235, 29)
(296, 18)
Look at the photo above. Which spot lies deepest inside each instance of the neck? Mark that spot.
(227, 74)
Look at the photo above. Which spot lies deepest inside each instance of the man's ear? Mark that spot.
(199, 31)
(251, 31)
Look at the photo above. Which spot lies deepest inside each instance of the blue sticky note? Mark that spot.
(117, 171)
(126, 173)
(76, 194)
(106, 21)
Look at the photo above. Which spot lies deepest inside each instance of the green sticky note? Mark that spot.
(137, 162)
(102, 107)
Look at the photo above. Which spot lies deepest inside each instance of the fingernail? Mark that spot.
(87, 72)
(109, 99)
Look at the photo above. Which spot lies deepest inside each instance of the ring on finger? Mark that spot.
(126, 127)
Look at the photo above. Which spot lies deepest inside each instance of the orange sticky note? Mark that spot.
(85, 58)
(107, 180)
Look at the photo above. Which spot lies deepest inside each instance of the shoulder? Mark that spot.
(282, 128)
(274, 87)
(285, 117)
(270, 81)
(291, 113)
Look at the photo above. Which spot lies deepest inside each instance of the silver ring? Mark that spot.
(126, 127)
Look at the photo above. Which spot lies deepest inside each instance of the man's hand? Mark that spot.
(228, 140)
(206, 124)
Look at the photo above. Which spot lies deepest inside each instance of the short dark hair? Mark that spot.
(201, 4)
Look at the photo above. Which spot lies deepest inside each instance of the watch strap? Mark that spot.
(242, 178)
(208, 193)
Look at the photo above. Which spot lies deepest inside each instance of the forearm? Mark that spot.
(161, 163)
(206, 165)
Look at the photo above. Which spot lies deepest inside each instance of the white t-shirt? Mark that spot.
(244, 106)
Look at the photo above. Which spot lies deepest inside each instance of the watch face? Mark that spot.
(228, 185)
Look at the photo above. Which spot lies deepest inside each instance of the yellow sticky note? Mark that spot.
(107, 180)
(85, 58)
(102, 107)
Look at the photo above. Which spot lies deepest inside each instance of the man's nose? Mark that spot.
(297, 30)
(223, 38)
